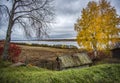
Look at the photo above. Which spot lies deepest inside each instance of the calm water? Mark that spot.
(50, 42)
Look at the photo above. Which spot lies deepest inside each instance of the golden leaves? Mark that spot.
(98, 25)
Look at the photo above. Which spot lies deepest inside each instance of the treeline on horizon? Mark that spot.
(46, 40)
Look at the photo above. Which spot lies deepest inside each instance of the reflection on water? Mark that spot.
(50, 42)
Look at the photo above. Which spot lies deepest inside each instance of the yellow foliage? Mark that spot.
(98, 26)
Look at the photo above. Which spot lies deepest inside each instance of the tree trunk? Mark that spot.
(95, 50)
(95, 53)
(8, 35)
(7, 41)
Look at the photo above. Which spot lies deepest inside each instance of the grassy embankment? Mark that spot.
(106, 73)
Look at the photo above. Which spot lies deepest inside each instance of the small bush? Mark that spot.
(14, 52)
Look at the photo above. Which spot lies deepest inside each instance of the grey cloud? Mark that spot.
(67, 12)
(68, 7)
(17, 33)
(70, 10)
(3, 29)
(20, 34)
(68, 36)
(61, 34)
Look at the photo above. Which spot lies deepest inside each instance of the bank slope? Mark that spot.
(106, 73)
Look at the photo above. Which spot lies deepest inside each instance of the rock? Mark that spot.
(17, 64)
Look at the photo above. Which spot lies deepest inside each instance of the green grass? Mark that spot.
(4, 64)
(106, 73)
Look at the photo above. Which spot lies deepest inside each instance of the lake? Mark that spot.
(50, 42)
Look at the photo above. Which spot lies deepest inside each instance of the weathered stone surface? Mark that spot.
(17, 64)
(75, 60)
(65, 61)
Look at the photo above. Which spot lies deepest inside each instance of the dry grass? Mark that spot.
(35, 54)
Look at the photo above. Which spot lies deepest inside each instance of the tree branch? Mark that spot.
(6, 9)
(24, 5)
(33, 9)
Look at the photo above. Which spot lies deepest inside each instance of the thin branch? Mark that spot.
(27, 11)
(20, 16)
(24, 5)
(34, 9)
(23, 24)
(6, 9)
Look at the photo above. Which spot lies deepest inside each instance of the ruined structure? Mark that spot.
(65, 61)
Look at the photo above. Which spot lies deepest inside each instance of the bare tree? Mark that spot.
(32, 15)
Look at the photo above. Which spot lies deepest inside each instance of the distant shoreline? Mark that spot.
(48, 40)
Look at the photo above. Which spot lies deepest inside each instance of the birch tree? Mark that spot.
(98, 27)
(33, 16)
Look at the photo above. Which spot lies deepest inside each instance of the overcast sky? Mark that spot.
(67, 12)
